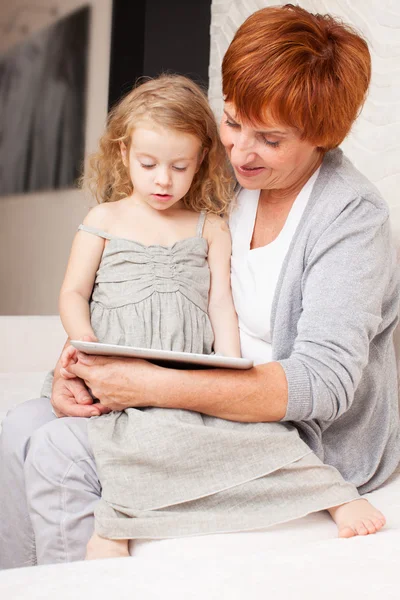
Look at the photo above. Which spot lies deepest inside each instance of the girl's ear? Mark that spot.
(124, 153)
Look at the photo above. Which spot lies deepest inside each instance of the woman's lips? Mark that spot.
(249, 171)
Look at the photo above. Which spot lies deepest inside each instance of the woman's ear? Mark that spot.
(124, 153)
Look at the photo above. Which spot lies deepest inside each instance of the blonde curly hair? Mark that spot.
(174, 102)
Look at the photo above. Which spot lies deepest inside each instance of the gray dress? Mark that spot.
(169, 472)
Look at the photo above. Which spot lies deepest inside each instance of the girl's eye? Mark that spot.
(180, 168)
(231, 124)
(268, 143)
(147, 166)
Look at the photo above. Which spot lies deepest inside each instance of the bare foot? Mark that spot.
(99, 547)
(358, 517)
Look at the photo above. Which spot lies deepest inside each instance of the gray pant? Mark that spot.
(38, 526)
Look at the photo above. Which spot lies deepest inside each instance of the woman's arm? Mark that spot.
(79, 278)
(347, 282)
(220, 307)
(349, 299)
(259, 394)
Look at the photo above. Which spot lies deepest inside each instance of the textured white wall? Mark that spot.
(374, 142)
(36, 229)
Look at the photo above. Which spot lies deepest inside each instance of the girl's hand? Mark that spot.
(69, 357)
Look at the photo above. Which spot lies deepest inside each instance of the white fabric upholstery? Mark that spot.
(302, 560)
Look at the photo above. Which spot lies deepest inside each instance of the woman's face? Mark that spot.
(267, 155)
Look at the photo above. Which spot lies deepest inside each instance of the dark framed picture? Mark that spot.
(42, 99)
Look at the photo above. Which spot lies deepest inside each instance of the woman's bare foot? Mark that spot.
(358, 517)
(99, 547)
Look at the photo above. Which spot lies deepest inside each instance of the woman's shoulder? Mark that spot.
(343, 204)
(341, 179)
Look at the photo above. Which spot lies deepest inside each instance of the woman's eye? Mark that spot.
(232, 124)
(147, 166)
(268, 143)
(180, 168)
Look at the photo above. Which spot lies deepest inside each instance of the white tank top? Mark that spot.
(255, 272)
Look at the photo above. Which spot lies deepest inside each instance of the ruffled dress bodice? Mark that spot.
(153, 296)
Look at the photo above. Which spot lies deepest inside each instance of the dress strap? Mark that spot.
(95, 231)
(200, 223)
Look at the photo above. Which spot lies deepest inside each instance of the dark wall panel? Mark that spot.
(177, 38)
(127, 46)
(153, 36)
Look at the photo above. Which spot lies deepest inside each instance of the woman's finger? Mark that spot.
(82, 410)
(80, 370)
(86, 359)
(83, 397)
(66, 374)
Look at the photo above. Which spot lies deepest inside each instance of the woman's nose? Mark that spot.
(242, 150)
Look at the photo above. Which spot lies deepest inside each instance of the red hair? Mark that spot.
(306, 71)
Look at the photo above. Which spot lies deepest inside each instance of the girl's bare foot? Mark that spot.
(99, 547)
(358, 517)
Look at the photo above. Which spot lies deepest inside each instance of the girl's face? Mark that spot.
(162, 163)
(267, 156)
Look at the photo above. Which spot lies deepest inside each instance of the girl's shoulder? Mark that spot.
(102, 215)
(215, 226)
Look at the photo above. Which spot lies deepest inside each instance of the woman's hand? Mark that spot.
(120, 383)
(70, 398)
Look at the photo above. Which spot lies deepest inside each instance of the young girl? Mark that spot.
(150, 267)
(155, 249)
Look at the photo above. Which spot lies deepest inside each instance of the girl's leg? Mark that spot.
(17, 541)
(99, 547)
(62, 490)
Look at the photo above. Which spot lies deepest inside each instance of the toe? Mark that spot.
(346, 532)
(360, 528)
(379, 522)
(369, 525)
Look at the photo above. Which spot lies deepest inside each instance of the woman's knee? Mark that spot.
(67, 434)
(58, 446)
(21, 422)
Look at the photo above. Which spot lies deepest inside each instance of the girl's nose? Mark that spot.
(163, 177)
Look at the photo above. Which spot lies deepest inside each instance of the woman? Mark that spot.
(315, 287)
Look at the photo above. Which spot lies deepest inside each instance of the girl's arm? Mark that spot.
(79, 278)
(220, 307)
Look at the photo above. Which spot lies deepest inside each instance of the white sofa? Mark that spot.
(302, 559)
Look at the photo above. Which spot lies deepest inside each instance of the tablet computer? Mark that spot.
(166, 358)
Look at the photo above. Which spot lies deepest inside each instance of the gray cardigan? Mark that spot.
(335, 308)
